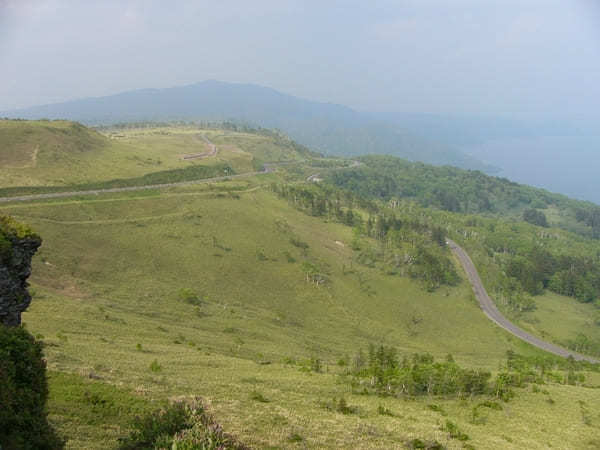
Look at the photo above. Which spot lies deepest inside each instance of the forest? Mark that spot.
(465, 191)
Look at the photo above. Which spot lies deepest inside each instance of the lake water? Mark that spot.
(569, 165)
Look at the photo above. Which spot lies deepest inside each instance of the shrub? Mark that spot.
(427, 445)
(23, 393)
(454, 431)
(437, 408)
(156, 426)
(296, 242)
(189, 296)
(316, 365)
(343, 407)
(295, 437)
(183, 425)
(258, 397)
(383, 411)
(289, 258)
(155, 366)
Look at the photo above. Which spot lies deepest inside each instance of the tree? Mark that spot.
(535, 217)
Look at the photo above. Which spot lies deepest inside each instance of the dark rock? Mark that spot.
(17, 249)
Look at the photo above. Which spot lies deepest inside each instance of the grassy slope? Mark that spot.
(110, 279)
(556, 318)
(107, 279)
(58, 153)
(575, 318)
(92, 413)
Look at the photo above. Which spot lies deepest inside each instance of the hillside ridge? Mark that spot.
(326, 127)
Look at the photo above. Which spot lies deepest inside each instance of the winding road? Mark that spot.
(492, 312)
(485, 302)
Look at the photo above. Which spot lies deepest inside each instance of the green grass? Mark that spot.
(108, 285)
(91, 413)
(109, 275)
(575, 318)
(59, 153)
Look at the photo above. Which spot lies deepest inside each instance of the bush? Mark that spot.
(296, 242)
(427, 445)
(182, 426)
(155, 366)
(258, 397)
(23, 393)
(437, 408)
(454, 431)
(383, 411)
(190, 296)
(156, 426)
(343, 407)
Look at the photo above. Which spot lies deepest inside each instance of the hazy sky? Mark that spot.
(506, 57)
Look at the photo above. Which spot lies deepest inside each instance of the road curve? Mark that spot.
(315, 176)
(492, 312)
(212, 152)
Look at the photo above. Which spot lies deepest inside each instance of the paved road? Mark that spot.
(490, 310)
(315, 177)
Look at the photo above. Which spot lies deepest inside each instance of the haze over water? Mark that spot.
(566, 164)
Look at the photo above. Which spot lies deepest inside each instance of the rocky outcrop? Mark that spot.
(18, 244)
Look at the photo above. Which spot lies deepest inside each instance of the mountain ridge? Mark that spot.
(327, 127)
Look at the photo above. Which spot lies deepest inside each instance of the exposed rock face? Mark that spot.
(17, 246)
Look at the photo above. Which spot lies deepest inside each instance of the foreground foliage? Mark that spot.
(23, 393)
(183, 425)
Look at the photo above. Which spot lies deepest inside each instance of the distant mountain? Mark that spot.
(329, 128)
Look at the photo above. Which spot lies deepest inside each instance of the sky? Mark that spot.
(518, 58)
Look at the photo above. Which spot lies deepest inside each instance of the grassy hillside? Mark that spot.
(261, 301)
(42, 156)
(27, 144)
(534, 273)
(115, 273)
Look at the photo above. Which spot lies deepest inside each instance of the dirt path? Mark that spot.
(23, 198)
(212, 152)
(492, 312)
